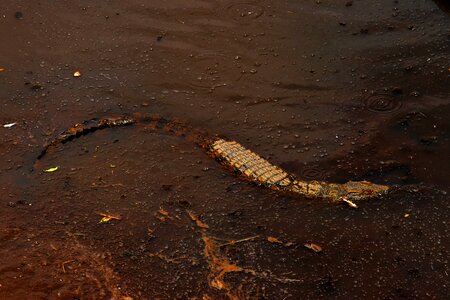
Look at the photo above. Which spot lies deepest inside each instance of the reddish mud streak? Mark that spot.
(337, 90)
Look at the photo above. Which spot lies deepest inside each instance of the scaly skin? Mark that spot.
(260, 171)
(233, 155)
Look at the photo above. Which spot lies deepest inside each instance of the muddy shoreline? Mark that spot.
(328, 90)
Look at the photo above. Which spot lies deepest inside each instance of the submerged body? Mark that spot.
(260, 171)
(235, 156)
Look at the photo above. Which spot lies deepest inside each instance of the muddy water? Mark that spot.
(330, 90)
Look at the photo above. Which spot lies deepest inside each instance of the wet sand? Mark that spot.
(328, 90)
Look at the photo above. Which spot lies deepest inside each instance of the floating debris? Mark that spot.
(76, 74)
(234, 242)
(274, 240)
(163, 212)
(163, 215)
(350, 203)
(9, 125)
(314, 247)
(50, 170)
(2, 69)
(63, 264)
(106, 218)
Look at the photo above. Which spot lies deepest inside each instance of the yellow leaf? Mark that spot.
(51, 170)
(106, 218)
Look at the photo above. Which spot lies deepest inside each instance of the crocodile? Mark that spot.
(233, 156)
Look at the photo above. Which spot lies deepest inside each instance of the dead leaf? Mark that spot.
(274, 240)
(50, 170)
(197, 221)
(164, 215)
(314, 247)
(161, 219)
(106, 218)
(76, 74)
(2, 69)
(163, 212)
(277, 241)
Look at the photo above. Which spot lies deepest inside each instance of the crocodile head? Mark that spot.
(360, 190)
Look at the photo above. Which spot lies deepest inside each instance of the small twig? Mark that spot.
(64, 263)
(233, 242)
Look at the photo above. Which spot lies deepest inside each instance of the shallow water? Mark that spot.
(329, 90)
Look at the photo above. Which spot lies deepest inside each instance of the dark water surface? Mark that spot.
(329, 90)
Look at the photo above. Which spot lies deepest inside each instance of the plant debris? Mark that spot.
(234, 242)
(314, 247)
(63, 264)
(350, 203)
(50, 170)
(9, 125)
(106, 218)
(274, 240)
(163, 215)
(76, 74)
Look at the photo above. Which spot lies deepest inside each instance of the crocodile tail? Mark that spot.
(85, 128)
(152, 122)
(176, 127)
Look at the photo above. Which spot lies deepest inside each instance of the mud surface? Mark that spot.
(328, 90)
